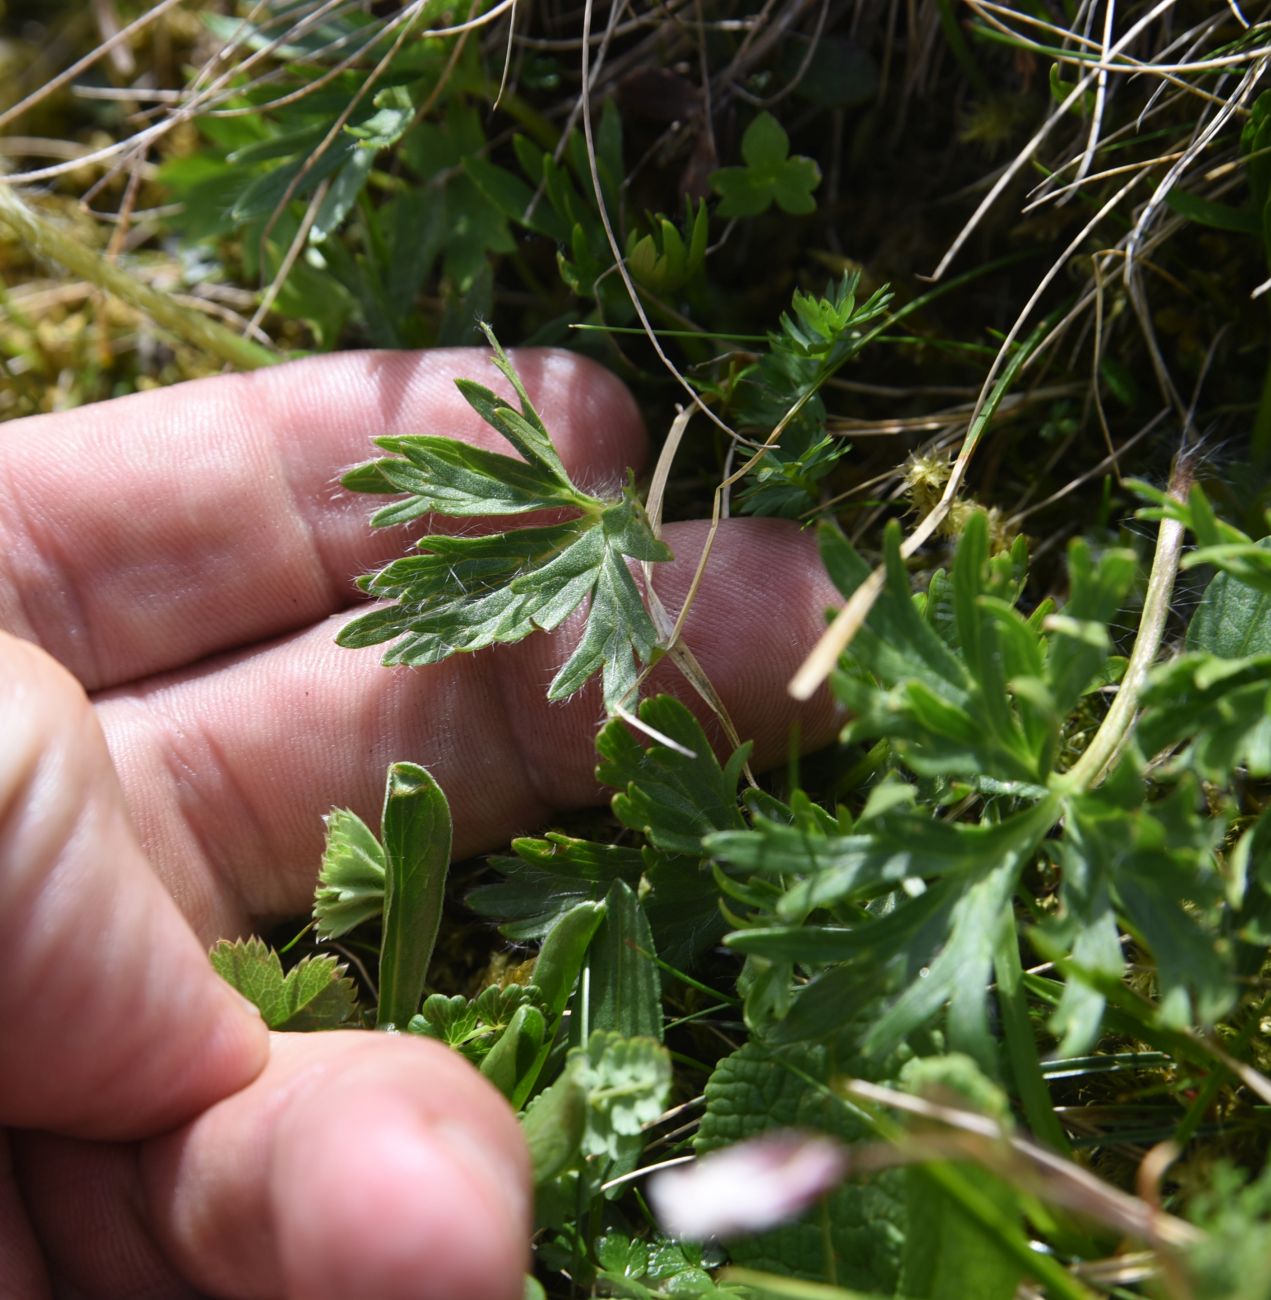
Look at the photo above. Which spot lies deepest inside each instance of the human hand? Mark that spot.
(182, 554)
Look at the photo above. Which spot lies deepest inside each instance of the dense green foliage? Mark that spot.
(1009, 934)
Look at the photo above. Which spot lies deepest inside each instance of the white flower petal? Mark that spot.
(749, 1187)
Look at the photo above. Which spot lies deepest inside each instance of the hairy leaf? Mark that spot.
(351, 878)
(461, 594)
(1233, 619)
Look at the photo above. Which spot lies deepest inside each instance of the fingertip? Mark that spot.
(117, 1024)
(416, 1206)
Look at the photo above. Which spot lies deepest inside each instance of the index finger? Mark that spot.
(145, 533)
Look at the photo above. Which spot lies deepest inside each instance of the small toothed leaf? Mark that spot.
(351, 878)
(313, 994)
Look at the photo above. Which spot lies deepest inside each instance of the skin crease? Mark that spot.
(173, 567)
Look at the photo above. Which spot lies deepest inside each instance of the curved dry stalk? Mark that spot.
(761, 101)
(188, 106)
(333, 133)
(620, 262)
(274, 74)
(571, 44)
(289, 257)
(372, 78)
(1100, 95)
(1039, 136)
(971, 1135)
(80, 65)
(1234, 105)
(45, 239)
(851, 618)
(1105, 747)
(1061, 192)
(1110, 461)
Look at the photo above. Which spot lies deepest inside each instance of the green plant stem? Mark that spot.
(46, 239)
(1106, 745)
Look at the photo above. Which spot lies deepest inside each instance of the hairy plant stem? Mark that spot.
(46, 239)
(1114, 731)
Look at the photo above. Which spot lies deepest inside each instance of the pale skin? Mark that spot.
(174, 721)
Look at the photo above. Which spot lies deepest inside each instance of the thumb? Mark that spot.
(113, 1022)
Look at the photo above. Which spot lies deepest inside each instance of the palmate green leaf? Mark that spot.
(828, 330)
(548, 877)
(643, 1270)
(524, 429)
(1155, 863)
(1233, 1212)
(514, 1057)
(876, 858)
(959, 974)
(950, 929)
(436, 150)
(619, 634)
(681, 900)
(770, 175)
(461, 594)
(1160, 860)
(446, 477)
(961, 683)
(473, 1025)
(816, 338)
(374, 126)
(313, 994)
(1087, 930)
(896, 644)
(451, 1020)
(947, 705)
(673, 799)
